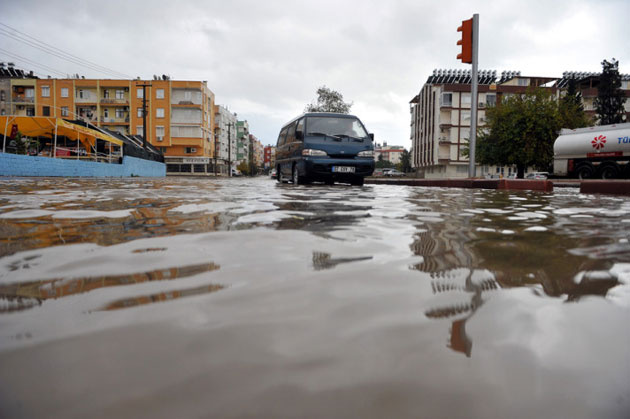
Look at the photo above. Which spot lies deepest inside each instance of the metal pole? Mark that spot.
(472, 141)
(55, 143)
(144, 116)
(216, 138)
(229, 150)
(4, 143)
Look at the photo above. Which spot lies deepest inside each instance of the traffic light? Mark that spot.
(466, 42)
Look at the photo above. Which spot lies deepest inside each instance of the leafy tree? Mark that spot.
(243, 167)
(329, 101)
(20, 145)
(405, 162)
(571, 109)
(520, 131)
(382, 164)
(610, 97)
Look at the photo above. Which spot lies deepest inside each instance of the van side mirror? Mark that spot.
(299, 135)
(371, 135)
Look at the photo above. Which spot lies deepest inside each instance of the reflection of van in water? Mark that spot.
(324, 147)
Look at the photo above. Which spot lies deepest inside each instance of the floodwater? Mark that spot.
(245, 298)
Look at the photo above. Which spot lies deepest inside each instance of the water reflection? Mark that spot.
(322, 260)
(24, 295)
(162, 297)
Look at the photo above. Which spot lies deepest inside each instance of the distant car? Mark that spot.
(274, 173)
(537, 175)
(236, 173)
(393, 173)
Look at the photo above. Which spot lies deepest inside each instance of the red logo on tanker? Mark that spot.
(599, 142)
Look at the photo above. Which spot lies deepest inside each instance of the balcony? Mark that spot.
(23, 99)
(116, 121)
(108, 101)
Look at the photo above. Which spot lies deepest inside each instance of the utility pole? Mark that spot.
(216, 138)
(144, 114)
(229, 150)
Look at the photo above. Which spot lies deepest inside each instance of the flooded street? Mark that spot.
(246, 298)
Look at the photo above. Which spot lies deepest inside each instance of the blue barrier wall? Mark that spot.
(19, 165)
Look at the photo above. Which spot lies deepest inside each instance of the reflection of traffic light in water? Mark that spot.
(460, 295)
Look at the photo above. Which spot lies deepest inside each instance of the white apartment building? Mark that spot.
(225, 136)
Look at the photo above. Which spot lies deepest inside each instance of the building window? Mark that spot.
(139, 93)
(106, 94)
(140, 131)
(120, 113)
(191, 150)
(30, 111)
(64, 92)
(491, 99)
(45, 91)
(159, 132)
(447, 99)
(465, 117)
(466, 99)
(159, 113)
(139, 112)
(523, 82)
(120, 94)
(163, 150)
(30, 93)
(106, 112)
(159, 93)
(64, 111)
(46, 111)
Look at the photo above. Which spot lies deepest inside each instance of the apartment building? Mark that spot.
(441, 112)
(242, 145)
(179, 119)
(390, 153)
(225, 137)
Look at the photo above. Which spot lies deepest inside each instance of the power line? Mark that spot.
(49, 49)
(33, 63)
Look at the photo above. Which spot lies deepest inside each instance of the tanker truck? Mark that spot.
(593, 152)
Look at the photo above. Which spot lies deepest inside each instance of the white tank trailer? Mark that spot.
(593, 152)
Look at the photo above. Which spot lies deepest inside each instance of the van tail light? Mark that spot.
(570, 166)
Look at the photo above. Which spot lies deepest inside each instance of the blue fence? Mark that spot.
(19, 165)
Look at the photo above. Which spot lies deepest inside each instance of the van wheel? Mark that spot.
(296, 176)
(609, 171)
(585, 171)
(357, 182)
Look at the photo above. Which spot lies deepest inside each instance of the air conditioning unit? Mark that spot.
(193, 150)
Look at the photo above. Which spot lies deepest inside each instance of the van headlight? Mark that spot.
(313, 152)
(366, 153)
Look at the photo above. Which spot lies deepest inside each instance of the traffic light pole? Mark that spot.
(472, 141)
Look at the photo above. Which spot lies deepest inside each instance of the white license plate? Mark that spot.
(343, 169)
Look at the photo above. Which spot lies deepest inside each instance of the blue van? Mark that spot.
(324, 147)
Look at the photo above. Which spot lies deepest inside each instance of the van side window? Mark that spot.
(291, 133)
(300, 126)
(282, 137)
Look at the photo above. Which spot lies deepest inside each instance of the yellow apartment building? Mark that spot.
(180, 114)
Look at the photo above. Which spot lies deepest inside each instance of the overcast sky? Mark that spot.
(265, 59)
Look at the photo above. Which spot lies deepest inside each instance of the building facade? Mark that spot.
(392, 153)
(242, 142)
(441, 113)
(179, 114)
(225, 139)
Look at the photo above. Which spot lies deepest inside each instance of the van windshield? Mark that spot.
(335, 127)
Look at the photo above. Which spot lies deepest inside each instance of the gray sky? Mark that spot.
(266, 59)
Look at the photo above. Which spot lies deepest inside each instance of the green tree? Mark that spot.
(571, 109)
(243, 167)
(520, 131)
(405, 162)
(610, 97)
(20, 145)
(329, 100)
(382, 164)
